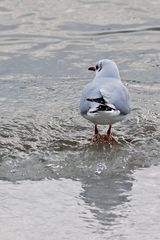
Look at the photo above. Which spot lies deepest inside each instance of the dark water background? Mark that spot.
(54, 183)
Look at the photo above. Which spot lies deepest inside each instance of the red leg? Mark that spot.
(109, 130)
(96, 130)
(96, 134)
(109, 138)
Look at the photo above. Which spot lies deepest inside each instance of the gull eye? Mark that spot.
(97, 67)
(100, 67)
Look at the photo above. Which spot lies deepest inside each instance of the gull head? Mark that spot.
(106, 68)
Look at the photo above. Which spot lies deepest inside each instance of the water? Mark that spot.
(54, 183)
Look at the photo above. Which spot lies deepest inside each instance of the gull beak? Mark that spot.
(92, 69)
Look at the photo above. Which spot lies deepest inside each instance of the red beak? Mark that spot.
(92, 69)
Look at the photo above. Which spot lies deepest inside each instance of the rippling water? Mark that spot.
(86, 190)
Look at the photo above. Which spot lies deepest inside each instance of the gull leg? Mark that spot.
(109, 130)
(96, 134)
(109, 138)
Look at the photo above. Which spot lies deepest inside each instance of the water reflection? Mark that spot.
(106, 195)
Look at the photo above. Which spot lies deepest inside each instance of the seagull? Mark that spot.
(105, 100)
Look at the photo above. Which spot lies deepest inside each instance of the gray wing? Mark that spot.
(91, 91)
(118, 95)
(105, 97)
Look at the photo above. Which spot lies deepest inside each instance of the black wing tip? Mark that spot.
(103, 108)
(98, 100)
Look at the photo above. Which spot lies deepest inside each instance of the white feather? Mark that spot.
(106, 84)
